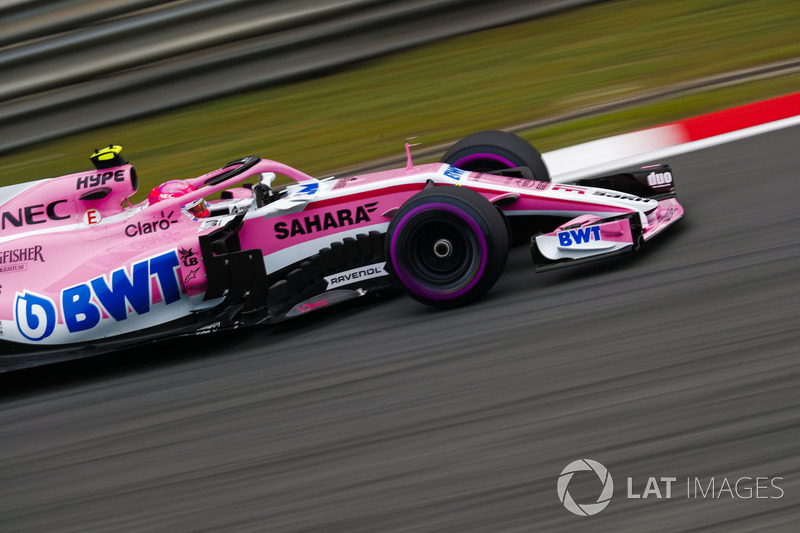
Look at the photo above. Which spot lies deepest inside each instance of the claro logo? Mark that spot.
(32, 214)
(331, 220)
(145, 228)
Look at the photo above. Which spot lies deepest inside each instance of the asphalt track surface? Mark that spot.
(682, 362)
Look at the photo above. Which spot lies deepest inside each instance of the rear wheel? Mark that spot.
(447, 246)
(488, 151)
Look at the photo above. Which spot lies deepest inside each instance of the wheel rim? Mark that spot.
(439, 254)
(484, 162)
(438, 251)
(442, 248)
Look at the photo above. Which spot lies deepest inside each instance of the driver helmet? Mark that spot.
(174, 189)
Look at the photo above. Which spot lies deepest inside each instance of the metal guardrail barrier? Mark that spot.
(114, 61)
(22, 20)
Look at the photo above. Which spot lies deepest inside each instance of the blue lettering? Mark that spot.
(309, 188)
(137, 293)
(579, 236)
(454, 173)
(79, 312)
(163, 267)
(35, 315)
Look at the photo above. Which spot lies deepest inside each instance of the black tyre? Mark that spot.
(447, 246)
(492, 150)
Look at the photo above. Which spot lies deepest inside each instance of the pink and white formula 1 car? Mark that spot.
(82, 270)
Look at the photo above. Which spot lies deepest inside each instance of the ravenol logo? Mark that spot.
(588, 509)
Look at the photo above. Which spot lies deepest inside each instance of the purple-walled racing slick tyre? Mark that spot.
(492, 150)
(447, 246)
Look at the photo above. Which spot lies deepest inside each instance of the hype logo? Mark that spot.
(35, 315)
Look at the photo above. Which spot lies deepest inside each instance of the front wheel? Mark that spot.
(447, 246)
(490, 151)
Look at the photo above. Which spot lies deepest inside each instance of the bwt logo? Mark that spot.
(579, 236)
(122, 290)
(82, 306)
(587, 509)
(35, 315)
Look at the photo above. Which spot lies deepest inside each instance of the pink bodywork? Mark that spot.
(64, 240)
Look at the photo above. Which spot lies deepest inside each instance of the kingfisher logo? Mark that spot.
(587, 509)
(35, 315)
(17, 259)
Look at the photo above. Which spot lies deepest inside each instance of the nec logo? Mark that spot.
(32, 214)
(331, 220)
(578, 236)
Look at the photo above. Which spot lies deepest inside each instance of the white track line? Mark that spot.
(588, 152)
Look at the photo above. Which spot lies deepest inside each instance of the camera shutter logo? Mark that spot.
(588, 509)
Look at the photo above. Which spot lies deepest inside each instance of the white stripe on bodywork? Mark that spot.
(107, 221)
(10, 192)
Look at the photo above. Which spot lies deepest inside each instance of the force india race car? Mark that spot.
(82, 270)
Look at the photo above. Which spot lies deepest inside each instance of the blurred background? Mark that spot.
(388, 416)
(188, 85)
